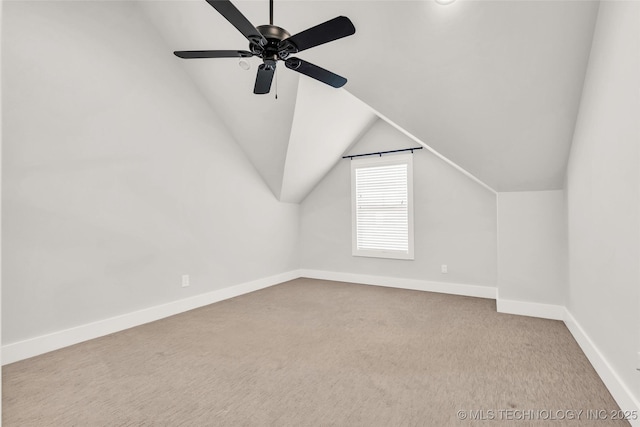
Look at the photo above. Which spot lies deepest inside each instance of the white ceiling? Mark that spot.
(494, 86)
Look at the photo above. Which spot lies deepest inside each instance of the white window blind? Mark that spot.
(383, 219)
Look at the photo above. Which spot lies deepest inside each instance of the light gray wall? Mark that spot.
(532, 246)
(117, 176)
(603, 190)
(454, 221)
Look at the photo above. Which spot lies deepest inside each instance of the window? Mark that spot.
(382, 206)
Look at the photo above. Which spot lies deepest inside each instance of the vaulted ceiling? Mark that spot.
(493, 86)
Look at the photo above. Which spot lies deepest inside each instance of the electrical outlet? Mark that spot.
(185, 280)
(444, 269)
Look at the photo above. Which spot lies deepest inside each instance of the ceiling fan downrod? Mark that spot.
(270, 12)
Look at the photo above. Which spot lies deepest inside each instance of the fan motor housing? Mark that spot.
(274, 36)
(273, 32)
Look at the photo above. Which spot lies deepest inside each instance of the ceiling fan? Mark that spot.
(273, 44)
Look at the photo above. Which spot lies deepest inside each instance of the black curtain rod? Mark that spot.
(380, 153)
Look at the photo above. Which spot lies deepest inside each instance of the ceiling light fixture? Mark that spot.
(444, 2)
(244, 64)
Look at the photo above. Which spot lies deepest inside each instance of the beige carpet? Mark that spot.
(311, 353)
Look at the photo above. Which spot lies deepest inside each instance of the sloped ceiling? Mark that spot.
(494, 86)
(260, 124)
(326, 123)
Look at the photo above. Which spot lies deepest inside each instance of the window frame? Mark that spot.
(386, 160)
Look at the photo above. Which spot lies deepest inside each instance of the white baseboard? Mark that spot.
(32, 347)
(45, 343)
(395, 282)
(21, 350)
(612, 381)
(620, 392)
(532, 309)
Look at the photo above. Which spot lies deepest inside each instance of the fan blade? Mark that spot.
(190, 54)
(238, 20)
(331, 30)
(315, 72)
(264, 79)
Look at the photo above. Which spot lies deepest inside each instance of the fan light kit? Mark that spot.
(273, 44)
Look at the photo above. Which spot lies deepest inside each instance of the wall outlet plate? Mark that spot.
(185, 280)
(444, 269)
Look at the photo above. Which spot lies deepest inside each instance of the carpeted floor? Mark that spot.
(311, 353)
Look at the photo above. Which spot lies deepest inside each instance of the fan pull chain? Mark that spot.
(276, 83)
